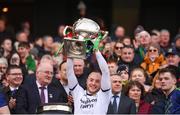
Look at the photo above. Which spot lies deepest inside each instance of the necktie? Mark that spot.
(42, 95)
(115, 103)
(13, 92)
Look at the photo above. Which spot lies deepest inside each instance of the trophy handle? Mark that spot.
(68, 31)
(104, 33)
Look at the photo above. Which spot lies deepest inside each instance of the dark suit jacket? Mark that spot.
(28, 99)
(126, 106)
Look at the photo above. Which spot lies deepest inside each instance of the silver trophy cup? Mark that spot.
(76, 37)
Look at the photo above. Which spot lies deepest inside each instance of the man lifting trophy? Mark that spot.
(82, 39)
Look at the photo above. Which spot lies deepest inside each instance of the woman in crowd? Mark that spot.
(135, 91)
(155, 93)
(153, 60)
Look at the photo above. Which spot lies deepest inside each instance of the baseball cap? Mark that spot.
(172, 51)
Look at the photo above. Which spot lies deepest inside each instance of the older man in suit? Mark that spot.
(38, 91)
(120, 104)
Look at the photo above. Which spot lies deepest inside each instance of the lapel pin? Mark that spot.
(50, 96)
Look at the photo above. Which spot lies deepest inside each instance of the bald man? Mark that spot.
(39, 91)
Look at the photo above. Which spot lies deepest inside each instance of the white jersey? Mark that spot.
(85, 103)
(90, 104)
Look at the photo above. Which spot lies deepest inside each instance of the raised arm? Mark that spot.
(72, 80)
(105, 81)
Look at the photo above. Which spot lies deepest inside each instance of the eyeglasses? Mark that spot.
(3, 67)
(154, 50)
(16, 74)
(48, 72)
(118, 48)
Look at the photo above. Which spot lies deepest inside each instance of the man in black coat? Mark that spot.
(39, 91)
(120, 104)
(14, 79)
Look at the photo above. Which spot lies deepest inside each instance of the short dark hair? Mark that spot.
(24, 44)
(169, 70)
(129, 46)
(10, 67)
(130, 84)
(60, 65)
(97, 70)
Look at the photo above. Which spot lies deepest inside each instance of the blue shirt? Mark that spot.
(2, 100)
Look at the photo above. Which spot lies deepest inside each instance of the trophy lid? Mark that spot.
(86, 25)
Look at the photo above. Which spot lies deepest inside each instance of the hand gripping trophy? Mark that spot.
(82, 39)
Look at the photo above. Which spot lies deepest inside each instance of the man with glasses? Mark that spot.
(14, 78)
(38, 91)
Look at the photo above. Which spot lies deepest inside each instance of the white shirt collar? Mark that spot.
(13, 88)
(38, 84)
(119, 94)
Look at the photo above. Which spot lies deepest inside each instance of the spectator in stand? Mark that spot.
(173, 57)
(21, 36)
(118, 49)
(126, 40)
(14, 78)
(124, 73)
(5, 29)
(38, 45)
(154, 59)
(120, 104)
(145, 39)
(164, 40)
(127, 57)
(38, 91)
(139, 50)
(26, 27)
(135, 91)
(81, 72)
(64, 82)
(119, 33)
(28, 63)
(155, 93)
(63, 77)
(171, 105)
(112, 65)
(140, 75)
(47, 44)
(107, 51)
(7, 45)
(3, 69)
(155, 36)
(59, 38)
(177, 43)
(14, 59)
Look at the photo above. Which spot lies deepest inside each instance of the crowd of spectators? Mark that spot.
(144, 72)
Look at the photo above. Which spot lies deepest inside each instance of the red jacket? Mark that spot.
(144, 107)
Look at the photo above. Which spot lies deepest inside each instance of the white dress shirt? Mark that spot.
(45, 91)
(117, 99)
